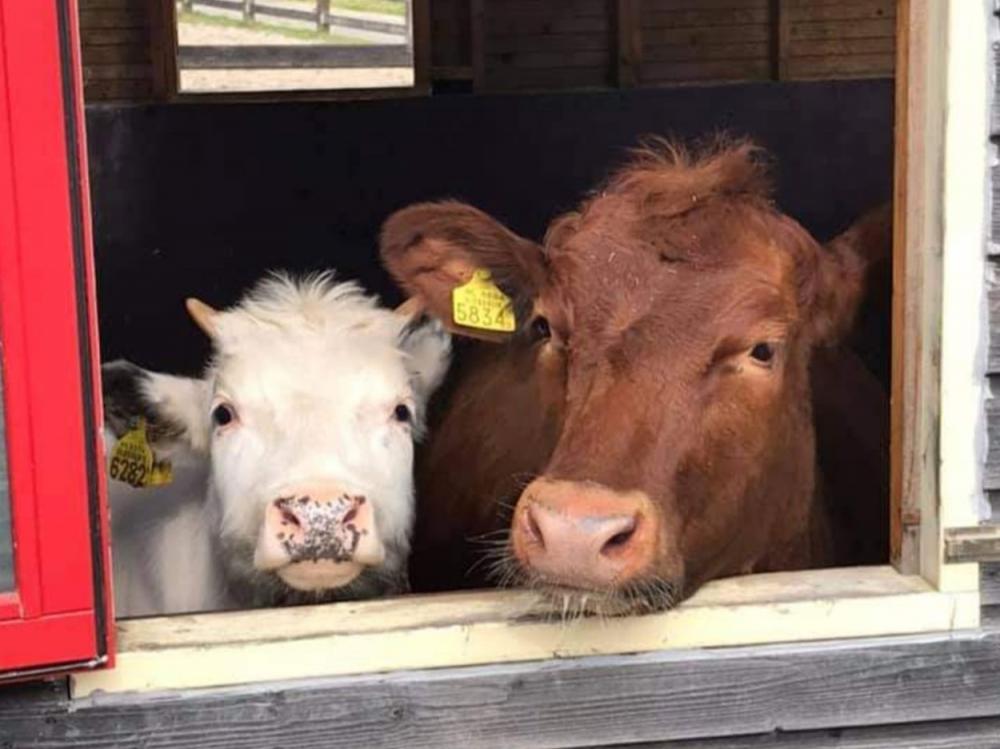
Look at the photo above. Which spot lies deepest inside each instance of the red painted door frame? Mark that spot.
(59, 615)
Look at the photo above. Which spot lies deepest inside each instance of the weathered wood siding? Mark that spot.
(704, 40)
(516, 45)
(116, 49)
(839, 38)
(531, 44)
(846, 694)
(990, 573)
(451, 56)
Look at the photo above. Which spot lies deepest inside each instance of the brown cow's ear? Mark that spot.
(844, 275)
(432, 248)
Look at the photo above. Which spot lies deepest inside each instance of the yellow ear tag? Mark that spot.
(133, 461)
(480, 304)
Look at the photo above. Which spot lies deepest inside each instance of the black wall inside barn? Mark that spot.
(201, 199)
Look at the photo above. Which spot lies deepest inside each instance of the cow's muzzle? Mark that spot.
(318, 537)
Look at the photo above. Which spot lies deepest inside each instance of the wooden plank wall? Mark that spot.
(451, 55)
(739, 40)
(517, 45)
(117, 50)
(705, 40)
(840, 38)
(990, 573)
(534, 44)
(847, 694)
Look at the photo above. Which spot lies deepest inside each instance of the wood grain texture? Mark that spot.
(451, 34)
(995, 197)
(989, 583)
(981, 733)
(520, 45)
(477, 42)
(420, 19)
(758, 39)
(995, 125)
(916, 300)
(979, 543)
(162, 49)
(780, 20)
(119, 49)
(628, 42)
(492, 627)
(587, 702)
(991, 473)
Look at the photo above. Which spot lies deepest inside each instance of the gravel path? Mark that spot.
(294, 80)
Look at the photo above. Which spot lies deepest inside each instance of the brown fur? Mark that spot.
(656, 291)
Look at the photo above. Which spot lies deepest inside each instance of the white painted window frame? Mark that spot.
(947, 64)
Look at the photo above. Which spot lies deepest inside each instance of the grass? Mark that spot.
(389, 7)
(312, 35)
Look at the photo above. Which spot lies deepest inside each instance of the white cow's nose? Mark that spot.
(318, 523)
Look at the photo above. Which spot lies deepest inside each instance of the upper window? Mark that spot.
(293, 45)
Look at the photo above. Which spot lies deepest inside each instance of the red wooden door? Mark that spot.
(54, 594)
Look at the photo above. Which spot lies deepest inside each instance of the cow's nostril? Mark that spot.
(289, 518)
(534, 531)
(620, 539)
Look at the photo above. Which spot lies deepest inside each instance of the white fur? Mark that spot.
(314, 370)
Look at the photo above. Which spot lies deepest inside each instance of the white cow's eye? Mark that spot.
(402, 414)
(223, 414)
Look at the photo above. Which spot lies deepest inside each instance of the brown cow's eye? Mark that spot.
(540, 329)
(223, 414)
(402, 414)
(762, 352)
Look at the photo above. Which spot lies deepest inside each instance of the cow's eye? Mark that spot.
(223, 414)
(402, 414)
(762, 352)
(540, 329)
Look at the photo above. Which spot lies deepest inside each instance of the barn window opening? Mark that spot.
(203, 200)
(293, 45)
(283, 541)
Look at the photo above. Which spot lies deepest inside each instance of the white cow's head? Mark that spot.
(307, 414)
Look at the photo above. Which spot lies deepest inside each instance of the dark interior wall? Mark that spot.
(202, 199)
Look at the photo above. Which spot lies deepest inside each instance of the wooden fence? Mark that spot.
(202, 57)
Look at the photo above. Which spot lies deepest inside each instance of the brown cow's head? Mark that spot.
(670, 321)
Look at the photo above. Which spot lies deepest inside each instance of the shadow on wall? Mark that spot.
(201, 199)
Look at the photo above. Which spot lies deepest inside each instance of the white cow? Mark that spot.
(292, 457)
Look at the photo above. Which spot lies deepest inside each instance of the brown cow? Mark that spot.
(650, 422)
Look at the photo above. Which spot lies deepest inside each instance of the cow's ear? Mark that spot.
(845, 274)
(432, 248)
(174, 408)
(428, 348)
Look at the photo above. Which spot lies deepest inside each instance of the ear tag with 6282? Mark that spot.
(133, 461)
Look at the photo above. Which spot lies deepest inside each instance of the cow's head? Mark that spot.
(307, 416)
(670, 321)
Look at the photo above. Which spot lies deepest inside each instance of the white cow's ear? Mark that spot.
(204, 316)
(428, 348)
(174, 408)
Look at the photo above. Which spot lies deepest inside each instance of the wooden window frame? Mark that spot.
(166, 78)
(937, 428)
